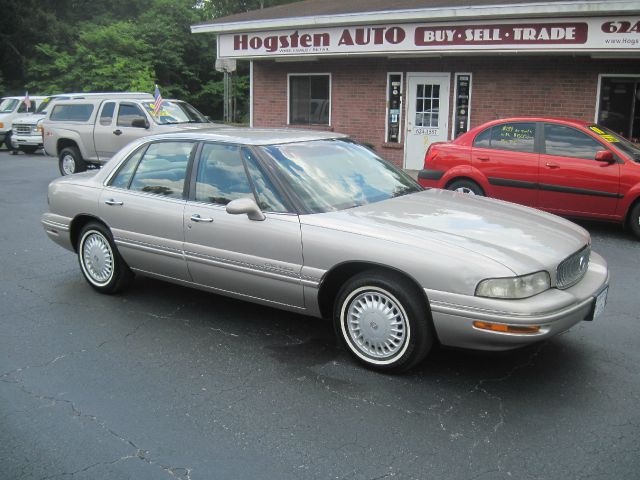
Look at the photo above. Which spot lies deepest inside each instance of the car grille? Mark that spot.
(572, 269)
(24, 129)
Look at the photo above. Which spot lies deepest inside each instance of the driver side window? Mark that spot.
(127, 113)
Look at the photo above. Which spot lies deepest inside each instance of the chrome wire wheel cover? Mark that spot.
(375, 325)
(466, 190)
(68, 164)
(96, 258)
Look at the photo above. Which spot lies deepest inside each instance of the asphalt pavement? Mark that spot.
(164, 382)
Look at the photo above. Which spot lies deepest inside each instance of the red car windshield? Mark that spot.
(609, 136)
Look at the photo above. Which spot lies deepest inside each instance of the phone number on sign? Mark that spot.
(426, 131)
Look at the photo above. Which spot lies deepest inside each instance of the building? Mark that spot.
(401, 74)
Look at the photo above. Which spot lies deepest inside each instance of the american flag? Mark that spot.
(27, 100)
(157, 104)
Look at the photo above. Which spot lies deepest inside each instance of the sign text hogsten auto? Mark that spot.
(593, 34)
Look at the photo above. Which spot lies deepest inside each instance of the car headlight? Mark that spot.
(514, 287)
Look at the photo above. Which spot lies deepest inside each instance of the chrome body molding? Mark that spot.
(147, 247)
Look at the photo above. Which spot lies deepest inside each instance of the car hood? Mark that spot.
(28, 118)
(172, 127)
(522, 239)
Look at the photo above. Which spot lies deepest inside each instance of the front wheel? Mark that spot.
(466, 186)
(383, 320)
(70, 161)
(100, 261)
(634, 220)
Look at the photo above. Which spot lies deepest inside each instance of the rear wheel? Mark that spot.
(383, 320)
(634, 219)
(100, 261)
(70, 161)
(466, 186)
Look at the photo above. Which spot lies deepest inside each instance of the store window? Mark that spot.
(619, 107)
(309, 99)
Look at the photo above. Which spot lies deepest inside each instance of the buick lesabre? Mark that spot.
(315, 223)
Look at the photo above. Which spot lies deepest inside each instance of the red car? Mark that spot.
(567, 167)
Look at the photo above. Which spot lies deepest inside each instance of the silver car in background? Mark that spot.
(315, 223)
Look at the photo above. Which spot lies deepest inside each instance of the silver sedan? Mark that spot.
(315, 223)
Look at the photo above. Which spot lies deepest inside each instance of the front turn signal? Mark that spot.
(502, 328)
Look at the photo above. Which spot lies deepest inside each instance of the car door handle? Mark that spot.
(484, 159)
(197, 218)
(552, 165)
(117, 132)
(111, 201)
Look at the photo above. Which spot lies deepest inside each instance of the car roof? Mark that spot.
(70, 97)
(31, 97)
(249, 136)
(569, 121)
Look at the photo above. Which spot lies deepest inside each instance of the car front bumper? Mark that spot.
(554, 311)
(26, 140)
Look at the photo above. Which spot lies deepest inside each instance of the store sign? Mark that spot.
(589, 34)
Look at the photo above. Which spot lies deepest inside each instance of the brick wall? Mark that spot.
(501, 87)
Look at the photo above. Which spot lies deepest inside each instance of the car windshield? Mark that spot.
(175, 112)
(8, 105)
(609, 136)
(46, 102)
(330, 175)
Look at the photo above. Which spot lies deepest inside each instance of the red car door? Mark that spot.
(572, 182)
(506, 155)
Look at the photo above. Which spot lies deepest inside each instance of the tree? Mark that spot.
(55, 46)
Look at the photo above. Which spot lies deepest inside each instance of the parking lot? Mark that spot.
(167, 382)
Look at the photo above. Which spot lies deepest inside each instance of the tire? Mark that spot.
(70, 161)
(634, 220)
(7, 143)
(367, 309)
(100, 262)
(466, 186)
(29, 149)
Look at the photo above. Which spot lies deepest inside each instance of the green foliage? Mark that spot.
(60, 46)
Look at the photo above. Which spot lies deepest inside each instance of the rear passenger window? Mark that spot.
(162, 169)
(123, 177)
(106, 116)
(483, 139)
(221, 175)
(72, 113)
(516, 137)
(568, 142)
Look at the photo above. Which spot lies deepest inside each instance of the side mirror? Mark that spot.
(140, 123)
(605, 156)
(247, 206)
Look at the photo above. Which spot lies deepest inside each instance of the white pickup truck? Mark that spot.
(11, 109)
(88, 132)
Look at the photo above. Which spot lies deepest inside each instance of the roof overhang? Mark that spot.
(569, 8)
